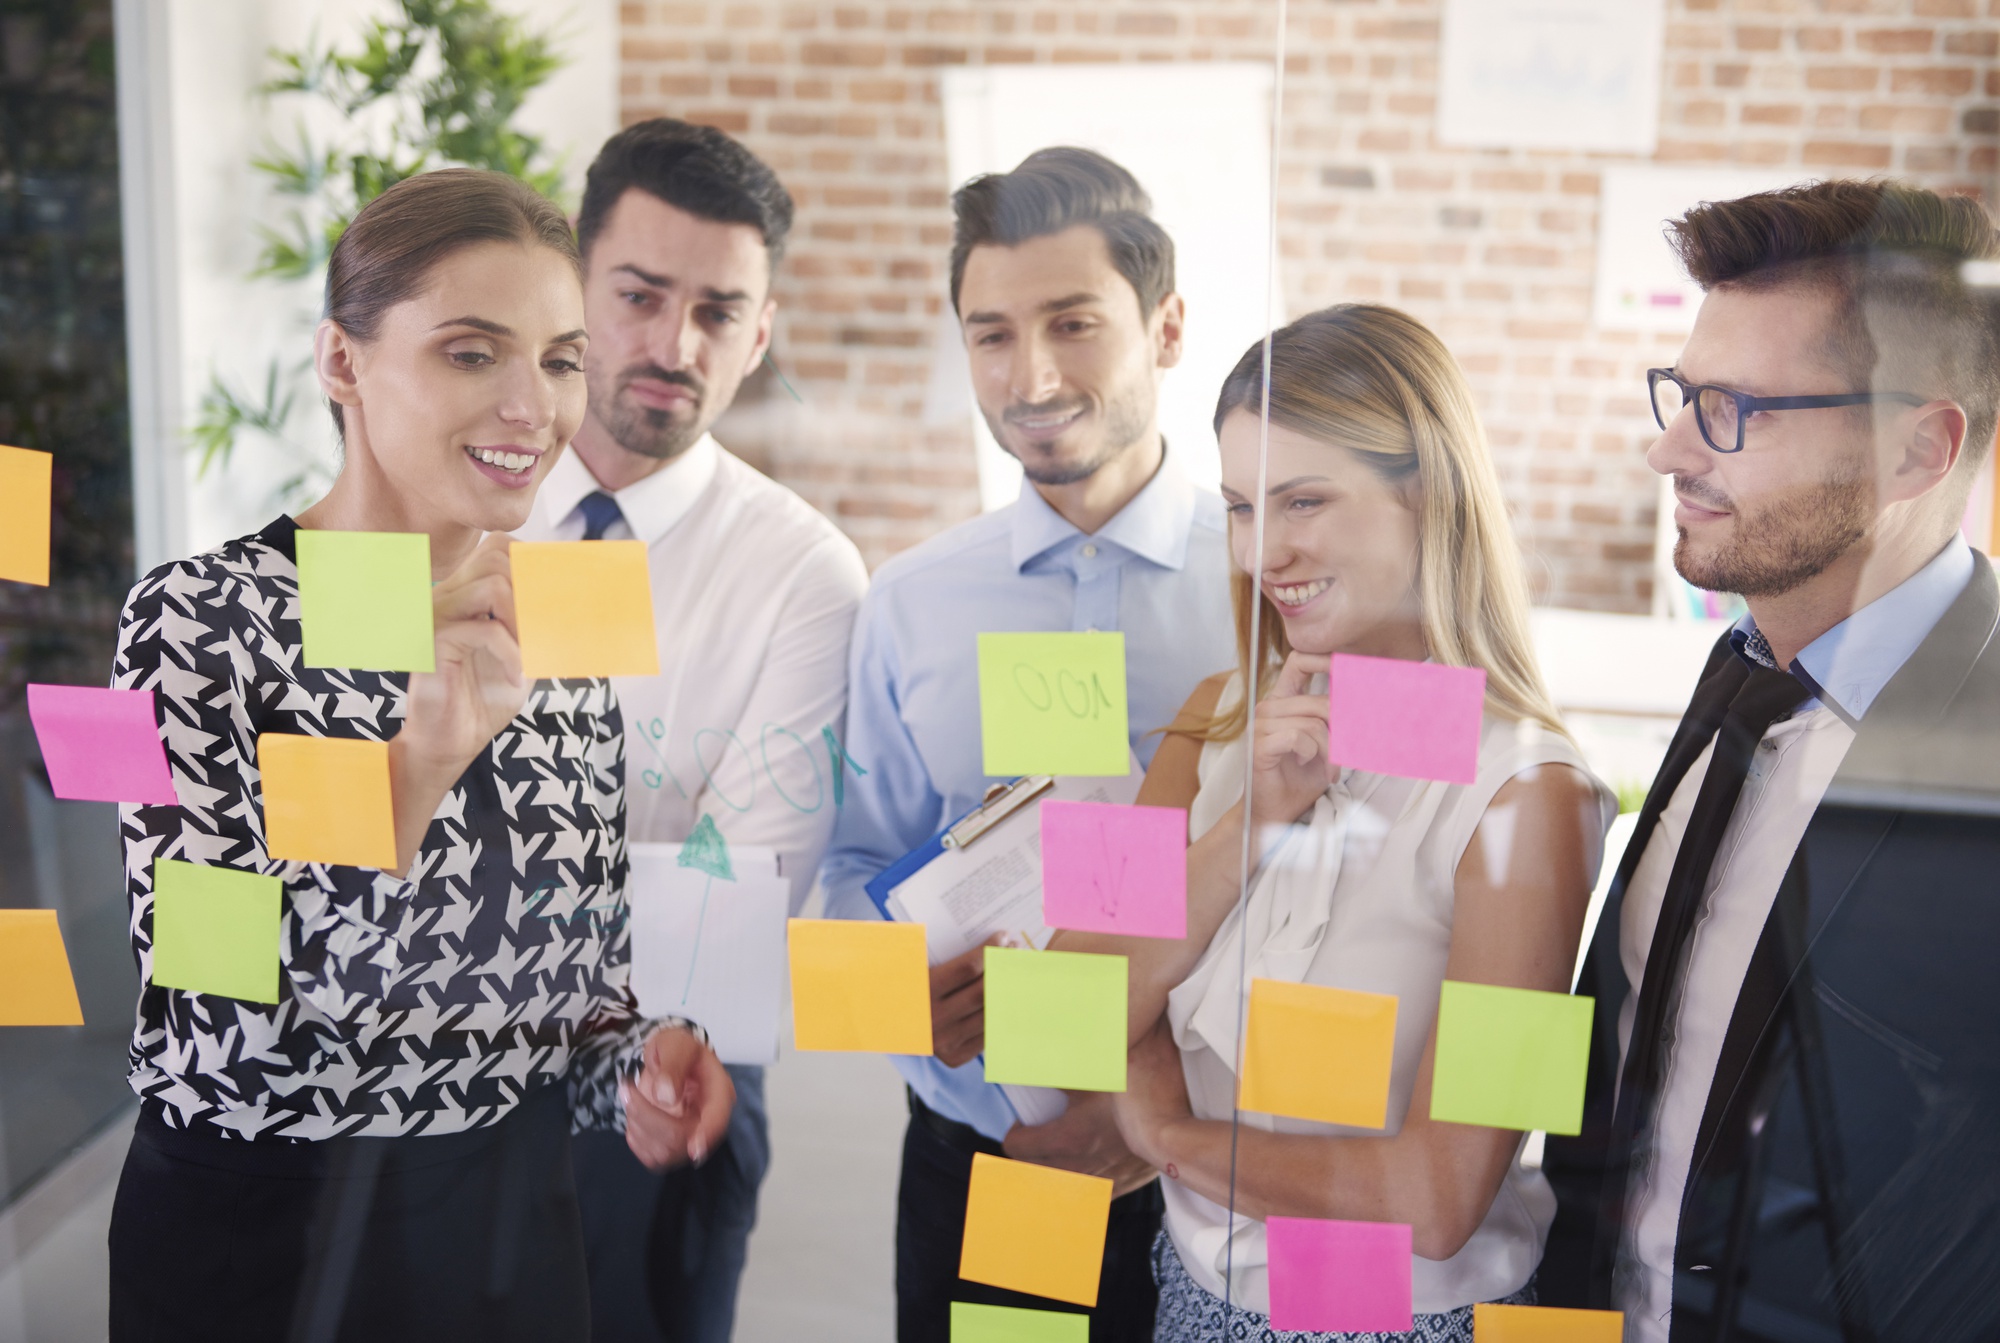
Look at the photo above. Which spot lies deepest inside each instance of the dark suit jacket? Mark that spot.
(1846, 1179)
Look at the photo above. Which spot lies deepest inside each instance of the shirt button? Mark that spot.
(1090, 552)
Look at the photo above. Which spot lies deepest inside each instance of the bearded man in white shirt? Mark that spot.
(754, 597)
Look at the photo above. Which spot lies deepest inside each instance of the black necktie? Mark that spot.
(1764, 697)
(599, 511)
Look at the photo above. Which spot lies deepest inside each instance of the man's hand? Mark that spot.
(1083, 1138)
(677, 1109)
(958, 1005)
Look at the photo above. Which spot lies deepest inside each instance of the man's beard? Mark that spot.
(1126, 417)
(1785, 543)
(659, 434)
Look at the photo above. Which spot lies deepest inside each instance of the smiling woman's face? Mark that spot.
(471, 388)
(1340, 543)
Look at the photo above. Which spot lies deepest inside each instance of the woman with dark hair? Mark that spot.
(384, 1151)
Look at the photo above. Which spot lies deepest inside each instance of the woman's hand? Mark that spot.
(1155, 1098)
(677, 1109)
(476, 690)
(1289, 767)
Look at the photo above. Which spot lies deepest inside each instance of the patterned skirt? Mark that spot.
(1190, 1313)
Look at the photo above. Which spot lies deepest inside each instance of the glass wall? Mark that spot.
(62, 391)
(1423, 670)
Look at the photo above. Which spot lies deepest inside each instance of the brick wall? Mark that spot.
(1496, 249)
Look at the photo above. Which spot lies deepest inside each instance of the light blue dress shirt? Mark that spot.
(1846, 667)
(1158, 571)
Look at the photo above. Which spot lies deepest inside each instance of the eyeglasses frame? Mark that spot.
(1746, 405)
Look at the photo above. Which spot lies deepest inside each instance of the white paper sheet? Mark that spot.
(712, 949)
(1551, 74)
(964, 896)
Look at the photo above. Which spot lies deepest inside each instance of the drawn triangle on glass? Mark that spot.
(705, 851)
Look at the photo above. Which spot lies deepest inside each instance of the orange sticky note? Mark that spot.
(24, 515)
(585, 608)
(860, 986)
(326, 800)
(1035, 1229)
(1313, 1052)
(1545, 1324)
(35, 984)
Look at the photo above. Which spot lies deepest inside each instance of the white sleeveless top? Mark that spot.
(1359, 897)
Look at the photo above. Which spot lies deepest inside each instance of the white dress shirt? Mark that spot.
(754, 597)
(1788, 775)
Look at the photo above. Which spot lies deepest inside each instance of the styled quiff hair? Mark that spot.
(1376, 382)
(1895, 257)
(1056, 189)
(388, 253)
(693, 168)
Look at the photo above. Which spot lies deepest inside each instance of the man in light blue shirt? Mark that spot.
(1064, 288)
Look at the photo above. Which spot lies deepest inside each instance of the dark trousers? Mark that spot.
(930, 1228)
(466, 1235)
(666, 1250)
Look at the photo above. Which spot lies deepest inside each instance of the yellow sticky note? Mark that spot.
(1545, 1324)
(1313, 1052)
(24, 515)
(1053, 704)
(326, 800)
(860, 986)
(35, 984)
(585, 608)
(1035, 1229)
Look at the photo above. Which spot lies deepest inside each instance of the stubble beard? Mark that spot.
(644, 431)
(1126, 419)
(1787, 542)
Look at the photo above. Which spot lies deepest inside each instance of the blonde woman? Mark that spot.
(1384, 535)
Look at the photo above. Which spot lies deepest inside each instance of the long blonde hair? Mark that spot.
(1380, 384)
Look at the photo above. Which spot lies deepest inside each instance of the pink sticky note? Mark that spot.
(101, 745)
(1113, 869)
(1339, 1277)
(1419, 720)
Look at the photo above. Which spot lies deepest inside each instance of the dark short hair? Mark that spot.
(1057, 189)
(390, 249)
(693, 168)
(1894, 257)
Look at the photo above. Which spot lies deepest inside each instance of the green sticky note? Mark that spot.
(215, 930)
(1053, 704)
(1511, 1058)
(1055, 1019)
(973, 1323)
(365, 600)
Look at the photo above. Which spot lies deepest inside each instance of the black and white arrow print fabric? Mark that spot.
(430, 1004)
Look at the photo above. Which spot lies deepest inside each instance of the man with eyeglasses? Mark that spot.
(1789, 1130)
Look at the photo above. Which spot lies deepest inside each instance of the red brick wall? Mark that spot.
(1496, 249)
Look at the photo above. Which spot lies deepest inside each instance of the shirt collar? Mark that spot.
(651, 506)
(1155, 525)
(1847, 666)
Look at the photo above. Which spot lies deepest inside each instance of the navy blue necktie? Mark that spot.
(599, 510)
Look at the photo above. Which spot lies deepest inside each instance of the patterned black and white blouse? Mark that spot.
(428, 1004)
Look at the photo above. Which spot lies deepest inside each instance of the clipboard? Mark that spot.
(982, 874)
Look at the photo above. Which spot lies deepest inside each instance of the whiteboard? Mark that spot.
(1551, 74)
(1640, 285)
(1198, 138)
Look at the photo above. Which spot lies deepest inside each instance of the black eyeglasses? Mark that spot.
(1721, 412)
